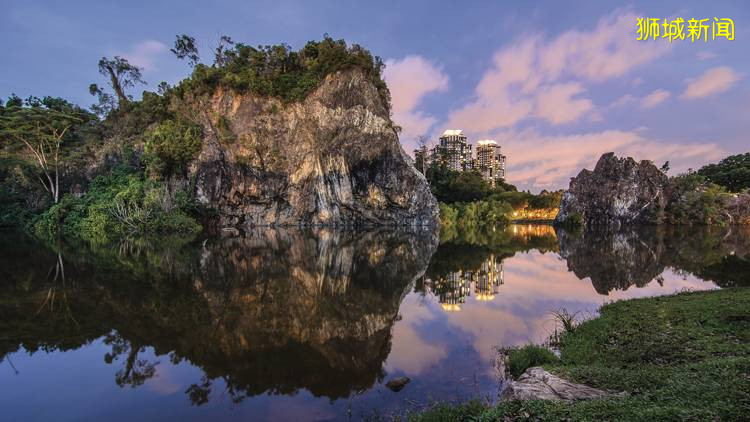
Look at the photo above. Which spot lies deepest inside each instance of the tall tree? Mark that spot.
(220, 54)
(121, 75)
(185, 48)
(105, 101)
(42, 129)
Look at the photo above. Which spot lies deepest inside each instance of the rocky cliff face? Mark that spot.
(332, 160)
(618, 191)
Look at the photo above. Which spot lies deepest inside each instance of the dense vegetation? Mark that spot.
(681, 357)
(732, 173)
(467, 200)
(278, 71)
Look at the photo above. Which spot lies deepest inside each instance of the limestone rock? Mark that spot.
(619, 191)
(538, 384)
(332, 160)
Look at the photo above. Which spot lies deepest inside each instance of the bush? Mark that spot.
(474, 214)
(118, 204)
(522, 358)
(693, 201)
(170, 146)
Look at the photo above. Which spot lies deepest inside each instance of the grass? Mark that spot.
(522, 358)
(680, 357)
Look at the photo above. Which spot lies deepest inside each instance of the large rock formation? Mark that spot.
(618, 191)
(333, 159)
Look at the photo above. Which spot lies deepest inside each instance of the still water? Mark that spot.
(280, 325)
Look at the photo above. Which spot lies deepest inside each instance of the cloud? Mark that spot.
(713, 81)
(548, 162)
(144, 54)
(545, 79)
(622, 101)
(556, 104)
(705, 55)
(409, 80)
(655, 98)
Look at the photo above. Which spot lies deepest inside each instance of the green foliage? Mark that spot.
(278, 71)
(522, 358)
(171, 145)
(693, 201)
(225, 131)
(134, 118)
(451, 186)
(573, 220)
(474, 214)
(732, 173)
(118, 204)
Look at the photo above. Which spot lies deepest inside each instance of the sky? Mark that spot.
(556, 83)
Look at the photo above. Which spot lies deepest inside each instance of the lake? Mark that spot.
(311, 325)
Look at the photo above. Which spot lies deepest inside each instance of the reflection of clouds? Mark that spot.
(286, 408)
(535, 285)
(410, 353)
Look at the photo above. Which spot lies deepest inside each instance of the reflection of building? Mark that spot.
(488, 278)
(490, 161)
(453, 289)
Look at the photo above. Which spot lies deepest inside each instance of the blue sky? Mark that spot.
(556, 83)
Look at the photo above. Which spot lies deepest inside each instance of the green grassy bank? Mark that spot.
(680, 357)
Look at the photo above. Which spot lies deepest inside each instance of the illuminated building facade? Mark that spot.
(490, 161)
(453, 150)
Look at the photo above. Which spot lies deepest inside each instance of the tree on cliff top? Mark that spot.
(121, 75)
(279, 71)
(185, 48)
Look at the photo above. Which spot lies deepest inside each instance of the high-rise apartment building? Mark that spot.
(454, 151)
(490, 161)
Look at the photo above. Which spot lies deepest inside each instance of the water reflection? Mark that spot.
(283, 317)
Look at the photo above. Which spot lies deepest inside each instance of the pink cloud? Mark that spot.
(409, 80)
(144, 54)
(655, 98)
(535, 78)
(555, 103)
(713, 81)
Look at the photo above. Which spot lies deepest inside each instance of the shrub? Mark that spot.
(694, 201)
(170, 146)
(522, 358)
(118, 204)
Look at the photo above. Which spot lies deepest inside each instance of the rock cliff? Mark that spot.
(332, 160)
(618, 191)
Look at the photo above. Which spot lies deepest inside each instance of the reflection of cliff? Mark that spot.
(275, 311)
(618, 260)
(613, 261)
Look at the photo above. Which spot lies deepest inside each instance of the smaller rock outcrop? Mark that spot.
(619, 191)
(538, 384)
